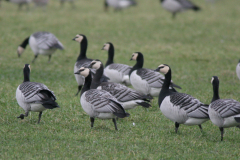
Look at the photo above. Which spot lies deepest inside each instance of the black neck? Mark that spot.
(96, 78)
(215, 92)
(138, 65)
(83, 49)
(110, 55)
(165, 88)
(87, 84)
(26, 74)
(24, 43)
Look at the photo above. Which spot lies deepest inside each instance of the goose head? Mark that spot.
(83, 71)
(136, 56)
(27, 68)
(215, 81)
(20, 50)
(107, 46)
(95, 64)
(79, 38)
(163, 68)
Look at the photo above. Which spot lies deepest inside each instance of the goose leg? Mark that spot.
(173, 15)
(92, 121)
(115, 124)
(200, 127)
(79, 89)
(176, 127)
(39, 117)
(22, 115)
(222, 130)
(35, 57)
(49, 58)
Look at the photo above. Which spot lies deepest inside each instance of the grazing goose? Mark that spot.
(128, 97)
(99, 103)
(118, 4)
(118, 73)
(144, 80)
(175, 6)
(32, 96)
(238, 69)
(180, 108)
(44, 43)
(224, 113)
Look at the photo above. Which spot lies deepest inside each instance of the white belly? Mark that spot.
(155, 92)
(106, 116)
(172, 6)
(79, 78)
(113, 75)
(139, 84)
(37, 107)
(130, 104)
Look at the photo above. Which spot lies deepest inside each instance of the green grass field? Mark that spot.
(195, 45)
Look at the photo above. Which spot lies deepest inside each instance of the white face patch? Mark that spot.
(106, 46)
(165, 69)
(20, 50)
(97, 64)
(85, 73)
(134, 56)
(79, 38)
(212, 80)
(29, 67)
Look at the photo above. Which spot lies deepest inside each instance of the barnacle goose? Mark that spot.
(128, 97)
(44, 43)
(99, 103)
(175, 6)
(238, 69)
(180, 108)
(144, 80)
(116, 72)
(224, 113)
(118, 4)
(32, 96)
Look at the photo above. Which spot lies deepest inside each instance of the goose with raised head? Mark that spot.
(118, 4)
(99, 103)
(32, 96)
(145, 80)
(43, 43)
(224, 113)
(118, 73)
(175, 6)
(128, 97)
(180, 108)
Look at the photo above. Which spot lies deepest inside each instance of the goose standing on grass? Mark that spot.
(128, 97)
(118, 73)
(118, 4)
(99, 103)
(44, 43)
(180, 108)
(175, 6)
(238, 69)
(83, 61)
(32, 96)
(224, 113)
(144, 80)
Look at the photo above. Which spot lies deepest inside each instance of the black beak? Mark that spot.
(157, 70)
(74, 38)
(131, 59)
(102, 48)
(78, 72)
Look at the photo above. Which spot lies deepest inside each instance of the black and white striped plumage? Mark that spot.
(44, 43)
(32, 96)
(99, 103)
(118, 4)
(128, 97)
(145, 80)
(224, 113)
(175, 6)
(118, 73)
(180, 108)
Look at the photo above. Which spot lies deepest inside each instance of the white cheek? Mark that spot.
(212, 79)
